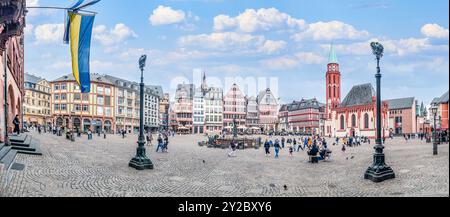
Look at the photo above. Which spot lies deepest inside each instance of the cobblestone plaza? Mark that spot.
(99, 168)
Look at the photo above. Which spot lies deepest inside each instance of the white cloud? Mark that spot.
(434, 31)
(270, 46)
(309, 58)
(399, 47)
(252, 20)
(60, 65)
(232, 41)
(49, 33)
(118, 34)
(166, 15)
(330, 31)
(292, 61)
(280, 63)
(222, 40)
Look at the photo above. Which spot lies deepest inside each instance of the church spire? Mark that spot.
(333, 57)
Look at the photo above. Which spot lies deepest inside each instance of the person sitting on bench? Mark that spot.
(313, 154)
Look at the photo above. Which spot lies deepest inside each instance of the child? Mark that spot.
(343, 148)
(290, 151)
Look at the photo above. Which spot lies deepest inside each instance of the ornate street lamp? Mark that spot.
(378, 171)
(434, 110)
(141, 161)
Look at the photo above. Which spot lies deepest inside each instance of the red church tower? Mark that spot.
(333, 78)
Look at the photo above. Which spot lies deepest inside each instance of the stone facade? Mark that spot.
(37, 101)
(214, 110)
(402, 116)
(12, 22)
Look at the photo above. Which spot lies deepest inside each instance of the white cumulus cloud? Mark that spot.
(163, 15)
(331, 31)
(49, 33)
(229, 41)
(252, 20)
(270, 46)
(116, 35)
(434, 31)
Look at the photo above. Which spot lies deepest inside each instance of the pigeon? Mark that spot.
(272, 185)
(204, 161)
(347, 158)
(352, 157)
(285, 187)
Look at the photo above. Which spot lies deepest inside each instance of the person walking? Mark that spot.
(277, 148)
(149, 138)
(267, 147)
(89, 134)
(104, 134)
(16, 123)
(291, 149)
(160, 143)
(232, 149)
(282, 142)
(166, 144)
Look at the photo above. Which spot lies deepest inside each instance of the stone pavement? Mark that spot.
(99, 168)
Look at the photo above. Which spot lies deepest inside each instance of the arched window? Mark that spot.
(329, 91)
(353, 120)
(334, 91)
(342, 122)
(366, 121)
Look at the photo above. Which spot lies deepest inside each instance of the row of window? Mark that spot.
(353, 121)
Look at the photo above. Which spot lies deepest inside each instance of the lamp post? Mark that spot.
(378, 171)
(434, 111)
(141, 161)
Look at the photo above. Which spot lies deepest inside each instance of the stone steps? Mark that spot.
(25, 144)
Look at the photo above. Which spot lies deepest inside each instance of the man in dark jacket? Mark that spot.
(16, 123)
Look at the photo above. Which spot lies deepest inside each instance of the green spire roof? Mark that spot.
(333, 57)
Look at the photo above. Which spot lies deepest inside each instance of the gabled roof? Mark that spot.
(263, 93)
(28, 78)
(402, 103)
(359, 95)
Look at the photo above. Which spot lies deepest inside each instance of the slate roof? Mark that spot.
(444, 98)
(359, 95)
(402, 103)
(28, 78)
(94, 77)
(118, 82)
(305, 104)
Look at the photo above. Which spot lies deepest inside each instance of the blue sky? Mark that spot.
(286, 40)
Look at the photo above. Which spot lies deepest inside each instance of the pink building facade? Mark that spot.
(234, 108)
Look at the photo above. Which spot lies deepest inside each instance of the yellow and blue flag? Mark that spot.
(80, 31)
